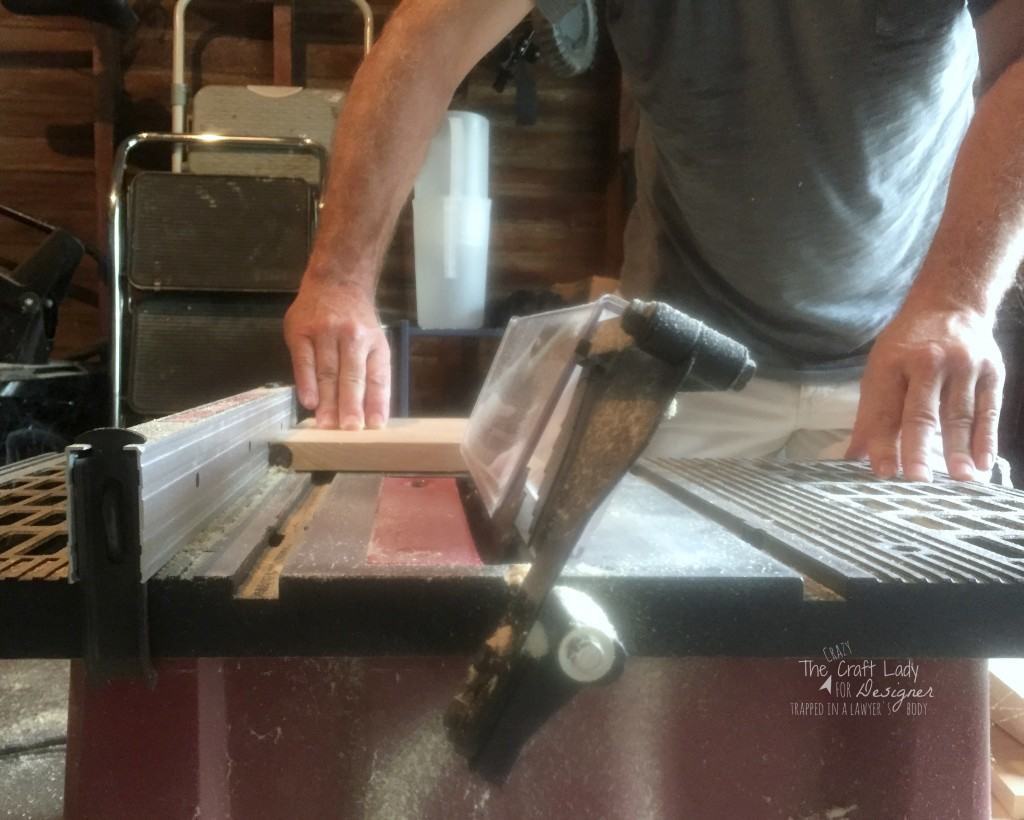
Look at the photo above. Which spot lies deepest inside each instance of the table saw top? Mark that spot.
(688, 557)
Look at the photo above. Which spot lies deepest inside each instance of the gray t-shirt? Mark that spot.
(793, 161)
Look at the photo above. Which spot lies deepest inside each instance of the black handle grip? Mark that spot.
(718, 362)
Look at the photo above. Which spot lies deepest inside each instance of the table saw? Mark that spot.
(192, 538)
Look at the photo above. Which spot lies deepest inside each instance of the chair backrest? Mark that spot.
(191, 232)
(237, 110)
(189, 349)
(203, 268)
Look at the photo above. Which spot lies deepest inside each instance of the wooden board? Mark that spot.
(1008, 773)
(1006, 695)
(405, 446)
(998, 812)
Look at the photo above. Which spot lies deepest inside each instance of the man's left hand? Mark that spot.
(930, 370)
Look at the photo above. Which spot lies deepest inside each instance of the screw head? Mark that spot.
(587, 654)
(586, 657)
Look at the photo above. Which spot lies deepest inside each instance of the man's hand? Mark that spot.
(340, 355)
(397, 100)
(930, 369)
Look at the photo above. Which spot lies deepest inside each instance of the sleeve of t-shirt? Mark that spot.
(555, 10)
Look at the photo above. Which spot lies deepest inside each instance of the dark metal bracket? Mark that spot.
(106, 552)
(630, 372)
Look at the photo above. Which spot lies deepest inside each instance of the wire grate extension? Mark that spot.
(840, 524)
(33, 520)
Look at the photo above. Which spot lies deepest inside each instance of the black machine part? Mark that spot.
(104, 521)
(213, 233)
(572, 645)
(568, 45)
(630, 373)
(30, 295)
(172, 335)
(519, 52)
(115, 13)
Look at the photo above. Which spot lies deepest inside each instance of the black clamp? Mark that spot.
(106, 551)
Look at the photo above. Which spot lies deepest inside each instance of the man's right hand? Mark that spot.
(340, 355)
(398, 97)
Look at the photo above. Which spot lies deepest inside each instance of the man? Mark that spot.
(797, 162)
(813, 179)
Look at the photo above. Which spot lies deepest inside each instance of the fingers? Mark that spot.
(354, 385)
(304, 368)
(352, 382)
(930, 370)
(378, 385)
(327, 381)
(339, 356)
(958, 420)
(920, 420)
(988, 399)
(900, 416)
(876, 432)
(858, 447)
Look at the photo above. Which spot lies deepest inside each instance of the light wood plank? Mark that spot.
(998, 812)
(1008, 773)
(1006, 695)
(405, 446)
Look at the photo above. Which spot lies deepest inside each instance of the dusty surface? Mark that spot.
(33, 734)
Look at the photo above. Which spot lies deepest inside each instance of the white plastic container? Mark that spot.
(451, 225)
(451, 235)
(458, 159)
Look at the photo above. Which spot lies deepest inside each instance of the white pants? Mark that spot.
(785, 420)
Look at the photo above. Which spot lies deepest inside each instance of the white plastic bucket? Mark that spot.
(451, 236)
(458, 158)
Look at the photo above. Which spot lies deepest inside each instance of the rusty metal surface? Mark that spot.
(420, 522)
(854, 532)
(33, 525)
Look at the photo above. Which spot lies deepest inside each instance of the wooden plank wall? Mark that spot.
(549, 181)
(46, 149)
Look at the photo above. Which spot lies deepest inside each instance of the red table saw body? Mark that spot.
(702, 738)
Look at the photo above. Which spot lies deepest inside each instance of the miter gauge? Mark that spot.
(571, 401)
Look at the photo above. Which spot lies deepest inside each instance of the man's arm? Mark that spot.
(937, 362)
(398, 97)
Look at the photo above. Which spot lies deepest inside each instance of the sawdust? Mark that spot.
(410, 781)
(39, 727)
(589, 570)
(262, 581)
(196, 551)
(501, 640)
(32, 785)
(515, 574)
